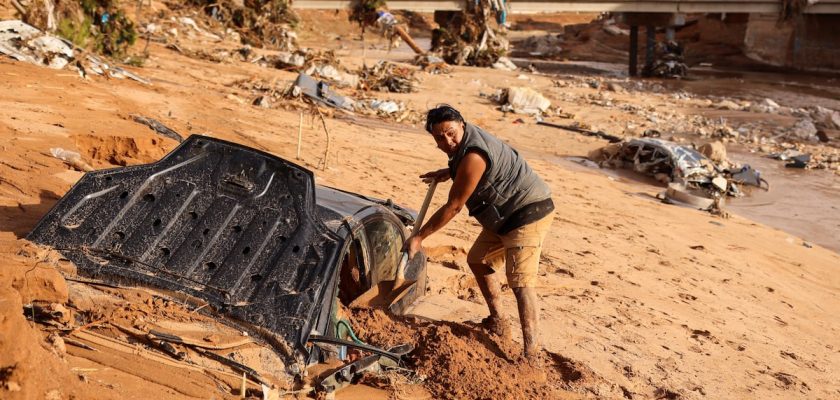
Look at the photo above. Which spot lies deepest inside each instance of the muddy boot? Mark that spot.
(496, 325)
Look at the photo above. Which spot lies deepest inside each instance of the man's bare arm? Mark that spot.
(469, 173)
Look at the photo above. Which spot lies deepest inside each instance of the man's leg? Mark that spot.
(523, 247)
(490, 288)
(485, 256)
(526, 300)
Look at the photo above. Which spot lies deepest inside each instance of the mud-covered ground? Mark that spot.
(638, 299)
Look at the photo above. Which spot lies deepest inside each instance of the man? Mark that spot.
(512, 204)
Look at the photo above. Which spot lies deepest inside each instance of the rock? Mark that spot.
(770, 103)
(505, 64)
(547, 45)
(728, 105)
(766, 106)
(262, 101)
(826, 117)
(835, 119)
(804, 129)
(614, 87)
(715, 151)
(822, 136)
(720, 182)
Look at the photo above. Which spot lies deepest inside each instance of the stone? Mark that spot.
(804, 129)
(728, 105)
(715, 151)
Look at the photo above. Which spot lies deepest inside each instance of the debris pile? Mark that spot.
(700, 180)
(668, 61)
(813, 130)
(266, 24)
(26, 43)
(307, 90)
(386, 76)
(469, 37)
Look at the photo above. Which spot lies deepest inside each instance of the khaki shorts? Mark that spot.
(518, 250)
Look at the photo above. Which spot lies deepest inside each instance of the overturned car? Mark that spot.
(247, 234)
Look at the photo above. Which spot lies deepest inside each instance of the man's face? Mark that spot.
(448, 135)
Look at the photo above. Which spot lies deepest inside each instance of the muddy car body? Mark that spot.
(652, 156)
(243, 231)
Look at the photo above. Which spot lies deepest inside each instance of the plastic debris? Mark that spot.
(72, 159)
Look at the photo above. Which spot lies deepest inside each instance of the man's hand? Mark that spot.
(441, 175)
(413, 245)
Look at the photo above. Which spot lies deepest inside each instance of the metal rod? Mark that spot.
(300, 134)
(634, 51)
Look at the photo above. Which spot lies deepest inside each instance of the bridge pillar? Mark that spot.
(650, 21)
(633, 68)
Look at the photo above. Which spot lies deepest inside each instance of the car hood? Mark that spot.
(227, 224)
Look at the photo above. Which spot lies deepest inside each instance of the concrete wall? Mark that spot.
(811, 42)
(816, 43)
(729, 29)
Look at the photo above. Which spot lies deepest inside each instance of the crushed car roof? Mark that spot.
(224, 223)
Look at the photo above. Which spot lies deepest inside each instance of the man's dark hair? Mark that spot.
(442, 113)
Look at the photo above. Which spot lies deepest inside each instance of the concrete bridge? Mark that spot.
(626, 6)
(811, 41)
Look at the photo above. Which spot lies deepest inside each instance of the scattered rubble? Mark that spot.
(24, 42)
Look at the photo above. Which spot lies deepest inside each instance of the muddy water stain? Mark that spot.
(803, 203)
